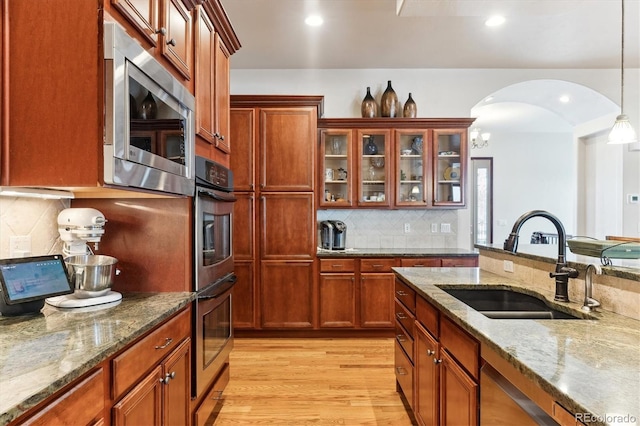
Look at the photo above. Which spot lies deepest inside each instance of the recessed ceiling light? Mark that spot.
(494, 21)
(314, 20)
(564, 99)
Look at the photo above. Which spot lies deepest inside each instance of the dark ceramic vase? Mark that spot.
(389, 102)
(369, 107)
(148, 108)
(370, 148)
(410, 108)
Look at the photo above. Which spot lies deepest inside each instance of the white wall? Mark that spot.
(452, 93)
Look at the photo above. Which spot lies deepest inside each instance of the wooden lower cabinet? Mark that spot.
(337, 300)
(376, 300)
(426, 409)
(287, 291)
(458, 394)
(244, 302)
(163, 396)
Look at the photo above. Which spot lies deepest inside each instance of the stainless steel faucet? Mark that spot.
(589, 302)
(562, 272)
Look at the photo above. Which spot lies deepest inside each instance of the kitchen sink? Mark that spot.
(507, 304)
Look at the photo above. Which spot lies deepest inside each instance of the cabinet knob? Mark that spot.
(161, 31)
(221, 137)
(430, 352)
(172, 42)
(437, 361)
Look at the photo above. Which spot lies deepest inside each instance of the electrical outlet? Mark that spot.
(19, 246)
(407, 228)
(445, 227)
(434, 228)
(508, 266)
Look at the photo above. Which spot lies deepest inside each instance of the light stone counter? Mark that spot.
(397, 252)
(588, 366)
(41, 354)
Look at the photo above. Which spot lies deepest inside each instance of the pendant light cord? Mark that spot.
(622, 64)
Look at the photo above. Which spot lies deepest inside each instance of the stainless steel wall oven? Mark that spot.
(213, 272)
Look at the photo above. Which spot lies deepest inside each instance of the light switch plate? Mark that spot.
(19, 246)
(434, 228)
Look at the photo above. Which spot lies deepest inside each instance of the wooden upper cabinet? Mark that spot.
(205, 38)
(143, 15)
(287, 149)
(222, 96)
(177, 43)
(243, 123)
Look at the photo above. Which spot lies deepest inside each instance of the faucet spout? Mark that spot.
(563, 272)
(589, 302)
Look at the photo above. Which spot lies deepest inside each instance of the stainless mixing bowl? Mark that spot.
(92, 275)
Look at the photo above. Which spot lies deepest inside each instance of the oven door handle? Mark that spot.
(220, 288)
(217, 196)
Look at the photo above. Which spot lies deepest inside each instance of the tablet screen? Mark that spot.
(33, 278)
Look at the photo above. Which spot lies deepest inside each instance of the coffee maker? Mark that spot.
(333, 234)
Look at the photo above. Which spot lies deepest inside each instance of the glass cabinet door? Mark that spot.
(374, 167)
(412, 150)
(336, 173)
(449, 164)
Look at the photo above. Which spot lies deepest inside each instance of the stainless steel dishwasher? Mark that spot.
(502, 404)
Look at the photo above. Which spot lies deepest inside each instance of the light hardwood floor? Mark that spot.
(312, 381)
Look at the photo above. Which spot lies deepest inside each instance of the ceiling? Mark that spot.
(374, 34)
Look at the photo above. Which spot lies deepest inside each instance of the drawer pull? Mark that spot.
(401, 316)
(337, 266)
(401, 371)
(167, 342)
(401, 338)
(401, 293)
(419, 265)
(377, 266)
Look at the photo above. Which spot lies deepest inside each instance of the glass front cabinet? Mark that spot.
(393, 163)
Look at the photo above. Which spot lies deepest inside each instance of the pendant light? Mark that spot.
(622, 131)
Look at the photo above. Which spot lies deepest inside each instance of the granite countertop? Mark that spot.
(588, 366)
(40, 354)
(397, 252)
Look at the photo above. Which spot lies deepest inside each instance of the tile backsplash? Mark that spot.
(368, 228)
(31, 217)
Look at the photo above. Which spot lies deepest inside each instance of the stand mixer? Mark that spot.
(79, 227)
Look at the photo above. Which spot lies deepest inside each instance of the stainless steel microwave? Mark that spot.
(149, 139)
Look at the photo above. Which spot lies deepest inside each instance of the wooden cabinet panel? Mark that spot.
(244, 305)
(463, 347)
(177, 387)
(142, 14)
(376, 300)
(202, 416)
(404, 318)
(404, 374)
(287, 294)
(427, 382)
(287, 222)
(287, 138)
(337, 265)
(204, 42)
(411, 262)
(243, 158)
(458, 394)
(129, 366)
(405, 295)
(82, 404)
(428, 316)
(143, 404)
(377, 265)
(177, 45)
(222, 96)
(405, 340)
(337, 300)
(244, 219)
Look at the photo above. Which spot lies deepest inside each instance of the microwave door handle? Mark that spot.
(229, 199)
